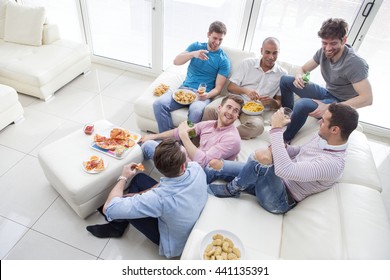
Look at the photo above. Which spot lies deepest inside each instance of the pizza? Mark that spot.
(94, 163)
(118, 138)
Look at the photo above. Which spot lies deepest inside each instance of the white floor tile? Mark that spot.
(9, 158)
(62, 223)
(28, 134)
(133, 245)
(36, 246)
(10, 233)
(128, 87)
(103, 107)
(25, 194)
(65, 103)
(97, 79)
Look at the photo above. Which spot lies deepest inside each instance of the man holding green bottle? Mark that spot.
(345, 74)
(217, 138)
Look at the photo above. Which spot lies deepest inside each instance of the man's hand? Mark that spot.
(319, 112)
(203, 96)
(201, 54)
(183, 129)
(298, 82)
(146, 138)
(252, 94)
(129, 170)
(278, 120)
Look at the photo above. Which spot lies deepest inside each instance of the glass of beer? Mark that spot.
(202, 88)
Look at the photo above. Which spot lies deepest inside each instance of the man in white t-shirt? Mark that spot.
(255, 79)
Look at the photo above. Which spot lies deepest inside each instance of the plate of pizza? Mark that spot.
(115, 142)
(94, 165)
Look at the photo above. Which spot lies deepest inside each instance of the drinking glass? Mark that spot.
(202, 88)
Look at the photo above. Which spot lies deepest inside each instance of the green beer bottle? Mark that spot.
(191, 133)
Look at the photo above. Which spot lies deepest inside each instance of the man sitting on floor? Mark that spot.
(164, 211)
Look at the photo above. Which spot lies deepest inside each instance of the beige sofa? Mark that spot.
(34, 60)
(348, 221)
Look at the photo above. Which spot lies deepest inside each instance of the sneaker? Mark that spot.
(220, 191)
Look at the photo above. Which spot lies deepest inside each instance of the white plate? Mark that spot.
(252, 113)
(94, 171)
(209, 239)
(186, 91)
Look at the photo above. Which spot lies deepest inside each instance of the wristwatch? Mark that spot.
(122, 178)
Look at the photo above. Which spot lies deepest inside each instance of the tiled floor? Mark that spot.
(35, 222)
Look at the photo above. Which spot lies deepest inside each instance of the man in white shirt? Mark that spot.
(255, 79)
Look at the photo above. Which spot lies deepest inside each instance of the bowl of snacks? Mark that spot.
(253, 108)
(221, 245)
(184, 96)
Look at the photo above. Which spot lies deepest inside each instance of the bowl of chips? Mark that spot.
(253, 108)
(221, 245)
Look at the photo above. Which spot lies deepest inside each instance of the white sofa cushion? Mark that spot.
(24, 24)
(3, 6)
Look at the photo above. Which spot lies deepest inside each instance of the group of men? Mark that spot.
(279, 176)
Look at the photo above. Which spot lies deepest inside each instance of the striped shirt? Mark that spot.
(307, 169)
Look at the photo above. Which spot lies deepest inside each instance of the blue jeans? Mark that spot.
(256, 179)
(304, 105)
(148, 149)
(165, 104)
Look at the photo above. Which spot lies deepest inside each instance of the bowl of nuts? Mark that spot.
(221, 245)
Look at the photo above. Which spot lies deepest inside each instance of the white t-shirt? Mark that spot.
(250, 75)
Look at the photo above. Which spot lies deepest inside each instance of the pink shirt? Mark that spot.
(215, 143)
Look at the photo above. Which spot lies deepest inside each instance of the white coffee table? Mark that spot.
(62, 160)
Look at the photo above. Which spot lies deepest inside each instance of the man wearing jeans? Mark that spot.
(208, 64)
(165, 211)
(345, 74)
(283, 175)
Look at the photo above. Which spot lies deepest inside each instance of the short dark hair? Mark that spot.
(168, 157)
(333, 28)
(345, 117)
(236, 98)
(218, 27)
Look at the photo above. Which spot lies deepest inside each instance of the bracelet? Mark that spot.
(122, 178)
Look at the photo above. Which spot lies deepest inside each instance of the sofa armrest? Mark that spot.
(50, 34)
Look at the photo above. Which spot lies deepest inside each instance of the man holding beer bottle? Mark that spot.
(217, 139)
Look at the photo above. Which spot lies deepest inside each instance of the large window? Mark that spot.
(121, 30)
(375, 49)
(187, 21)
(296, 23)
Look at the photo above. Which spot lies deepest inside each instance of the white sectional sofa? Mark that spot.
(33, 58)
(348, 221)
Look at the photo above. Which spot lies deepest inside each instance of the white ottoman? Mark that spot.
(10, 108)
(62, 164)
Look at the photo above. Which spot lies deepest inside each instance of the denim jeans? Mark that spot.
(148, 149)
(256, 179)
(165, 104)
(304, 105)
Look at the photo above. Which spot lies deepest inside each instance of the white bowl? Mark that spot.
(208, 238)
(253, 113)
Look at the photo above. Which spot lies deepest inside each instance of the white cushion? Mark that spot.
(3, 6)
(24, 24)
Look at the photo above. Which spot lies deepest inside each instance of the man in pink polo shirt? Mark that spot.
(218, 139)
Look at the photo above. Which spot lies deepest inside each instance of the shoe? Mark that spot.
(219, 190)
